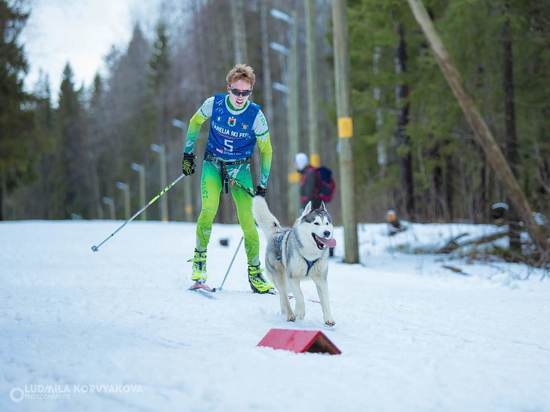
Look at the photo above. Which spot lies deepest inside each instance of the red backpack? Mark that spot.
(327, 183)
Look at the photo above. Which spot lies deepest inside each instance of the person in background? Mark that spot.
(309, 182)
(316, 184)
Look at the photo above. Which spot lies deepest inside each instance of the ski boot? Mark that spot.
(257, 282)
(199, 266)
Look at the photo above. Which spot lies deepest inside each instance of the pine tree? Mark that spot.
(95, 139)
(159, 78)
(47, 195)
(17, 152)
(127, 120)
(76, 185)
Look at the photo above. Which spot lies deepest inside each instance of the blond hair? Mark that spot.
(241, 72)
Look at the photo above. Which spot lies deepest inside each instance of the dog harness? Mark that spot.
(278, 243)
(309, 264)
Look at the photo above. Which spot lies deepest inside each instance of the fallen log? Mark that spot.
(453, 245)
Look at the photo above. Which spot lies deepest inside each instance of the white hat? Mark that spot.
(301, 161)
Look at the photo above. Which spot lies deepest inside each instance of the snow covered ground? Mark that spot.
(414, 335)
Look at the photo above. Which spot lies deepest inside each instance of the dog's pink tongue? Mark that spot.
(330, 242)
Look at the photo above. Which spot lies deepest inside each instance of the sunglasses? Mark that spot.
(241, 93)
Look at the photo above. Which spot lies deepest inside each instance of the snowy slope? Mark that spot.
(414, 335)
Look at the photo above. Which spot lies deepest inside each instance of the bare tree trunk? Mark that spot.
(483, 202)
(294, 126)
(377, 95)
(203, 75)
(312, 99)
(437, 179)
(240, 56)
(94, 183)
(275, 190)
(511, 140)
(239, 34)
(405, 160)
(449, 188)
(482, 133)
(2, 194)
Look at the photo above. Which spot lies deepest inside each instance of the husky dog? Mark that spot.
(297, 253)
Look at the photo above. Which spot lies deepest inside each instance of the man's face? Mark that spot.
(236, 91)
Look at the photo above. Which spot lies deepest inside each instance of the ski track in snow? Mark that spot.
(414, 335)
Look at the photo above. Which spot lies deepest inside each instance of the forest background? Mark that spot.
(63, 151)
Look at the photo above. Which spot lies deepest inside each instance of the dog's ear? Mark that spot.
(307, 209)
(323, 207)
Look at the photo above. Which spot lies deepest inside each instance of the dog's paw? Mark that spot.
(290, 317)
(330, 322)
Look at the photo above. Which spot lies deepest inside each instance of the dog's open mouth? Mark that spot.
(323, 243)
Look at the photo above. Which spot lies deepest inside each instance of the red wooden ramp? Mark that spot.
(299, 341)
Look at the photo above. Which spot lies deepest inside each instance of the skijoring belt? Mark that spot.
(211, 158)
(223, 167)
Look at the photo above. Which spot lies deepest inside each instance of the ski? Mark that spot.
(204, 293)
(202, 287)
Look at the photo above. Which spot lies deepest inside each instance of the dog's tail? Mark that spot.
(265, 219)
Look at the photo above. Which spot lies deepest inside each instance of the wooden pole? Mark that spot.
(164, 199)
(345, 129)
(142, 198)
(483, 135)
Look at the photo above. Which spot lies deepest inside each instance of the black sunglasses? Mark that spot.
(242, 93)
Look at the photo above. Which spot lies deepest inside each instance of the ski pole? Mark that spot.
(231, 264)
(153, 200)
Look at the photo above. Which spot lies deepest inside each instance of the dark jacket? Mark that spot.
(310, 185)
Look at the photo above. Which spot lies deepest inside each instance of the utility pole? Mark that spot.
(311, 55)
(187, 189)
(126, 189)
(345, 129)
(140, 169)
(159, 148)
(111, 203)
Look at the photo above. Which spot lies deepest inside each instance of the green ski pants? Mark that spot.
(211, 186)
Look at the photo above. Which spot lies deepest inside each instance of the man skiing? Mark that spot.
(236, 126)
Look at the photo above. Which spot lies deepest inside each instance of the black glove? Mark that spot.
(188, 164)
(261, 191)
